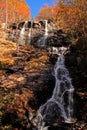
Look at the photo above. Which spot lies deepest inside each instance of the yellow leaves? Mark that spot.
(8, 84)
(6, 50)
(80, 15)
(33, 64)
(43, 58)
(17, 10)
(70, 16)
(45, 13)
(2, 105)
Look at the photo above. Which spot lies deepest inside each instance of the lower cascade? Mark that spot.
(60, 105)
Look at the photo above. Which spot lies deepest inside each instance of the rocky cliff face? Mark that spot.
(27, 81)
(76, 62)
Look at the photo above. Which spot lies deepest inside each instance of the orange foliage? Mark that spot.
(17, 10)
(64, 16)
(71, 15)
(45, 13)
(67, 14)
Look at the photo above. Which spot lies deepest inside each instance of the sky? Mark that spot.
(35, 5)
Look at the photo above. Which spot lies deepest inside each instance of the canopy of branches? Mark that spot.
(67, 14)
(17, 10)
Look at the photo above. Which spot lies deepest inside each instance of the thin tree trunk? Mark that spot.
(6, 13)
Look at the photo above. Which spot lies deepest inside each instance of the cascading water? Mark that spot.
(29, 35)
(23, 29)
(42, 40)
(46, 28)
(30, 32)
(21, 40)
(60, 105)
(63, 91)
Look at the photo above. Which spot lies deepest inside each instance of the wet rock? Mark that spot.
(37, 37)
(58, 39)
(76, 62)
(27, 81)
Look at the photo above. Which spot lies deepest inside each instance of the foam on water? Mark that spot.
(60, 105)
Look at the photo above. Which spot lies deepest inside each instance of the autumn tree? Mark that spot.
(71, 15)
(81, 15)
(2, 11)
(17, 11)
(63, 14)
(45, 13)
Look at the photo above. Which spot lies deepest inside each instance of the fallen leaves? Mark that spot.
(6, 50)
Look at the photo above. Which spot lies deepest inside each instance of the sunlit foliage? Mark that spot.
(67, 14)
(16, 11)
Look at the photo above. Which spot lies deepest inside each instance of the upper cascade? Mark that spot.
(40, 34)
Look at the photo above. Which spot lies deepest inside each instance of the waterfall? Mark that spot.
(21, 40)
(46, 28)
(60, 105)
(29, 35)
(23, 29)
(63, 91)
(30, 32)
(42, 40)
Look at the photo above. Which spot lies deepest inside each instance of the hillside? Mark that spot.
(27, 81)
(17, 10)
(23, 75)
(43, 75)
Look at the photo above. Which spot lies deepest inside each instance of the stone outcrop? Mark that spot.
(33, 31)
(26, 82)
(76, 62)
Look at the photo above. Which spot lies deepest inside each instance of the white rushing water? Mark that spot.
(46, 28)
(60, 105)
(63, 88)
(42, 40)
(21, 40)
(29, 35)
(23, 29)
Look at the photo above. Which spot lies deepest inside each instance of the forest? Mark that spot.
(67, 15)
(16, 11)
(43, 66)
